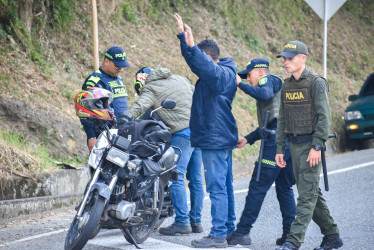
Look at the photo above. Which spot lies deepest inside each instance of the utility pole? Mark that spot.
(95, 36)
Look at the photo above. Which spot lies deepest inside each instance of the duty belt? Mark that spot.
(300, 138)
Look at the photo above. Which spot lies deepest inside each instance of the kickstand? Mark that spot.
(132, 238)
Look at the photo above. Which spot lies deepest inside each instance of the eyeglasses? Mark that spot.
(117, 68)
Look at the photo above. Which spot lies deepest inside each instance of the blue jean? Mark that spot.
(218, 178)
(191, 162)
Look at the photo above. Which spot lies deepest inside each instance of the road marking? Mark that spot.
(350, 168)
(34, 237)
(172, 244)
(328, 173)
(112, 238)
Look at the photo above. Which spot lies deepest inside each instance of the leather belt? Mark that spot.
(300, 138)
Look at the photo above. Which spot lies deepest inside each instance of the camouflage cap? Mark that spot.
(293, 48)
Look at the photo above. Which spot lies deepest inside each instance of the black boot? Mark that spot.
(330, 243)
(197, 228)
(237, 238)
(280, 241)
(174, 229)
(287, 246)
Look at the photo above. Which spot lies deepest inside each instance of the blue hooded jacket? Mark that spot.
(212, 123)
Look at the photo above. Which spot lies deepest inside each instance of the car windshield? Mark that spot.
(368, 87)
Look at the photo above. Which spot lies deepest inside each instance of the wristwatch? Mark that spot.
(317, 147)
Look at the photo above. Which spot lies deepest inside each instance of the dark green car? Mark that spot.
(359, 115)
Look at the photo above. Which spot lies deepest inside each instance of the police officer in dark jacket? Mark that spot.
(265, 88)
(107, 77)
(305, 118)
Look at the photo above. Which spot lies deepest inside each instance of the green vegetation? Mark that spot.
(40, 157)
(31, 156)
(60, 38)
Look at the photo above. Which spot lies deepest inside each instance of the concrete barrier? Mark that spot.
(51, 191)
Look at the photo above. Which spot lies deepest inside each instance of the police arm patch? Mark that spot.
(262, 81)
(321, 86)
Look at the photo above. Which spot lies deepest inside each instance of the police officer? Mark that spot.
(265, 88)
(107, 77)
(305, 118)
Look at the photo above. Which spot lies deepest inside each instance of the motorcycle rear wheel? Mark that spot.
(78, 235)
(141, 232)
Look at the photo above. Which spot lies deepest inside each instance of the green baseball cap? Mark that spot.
(293, 48)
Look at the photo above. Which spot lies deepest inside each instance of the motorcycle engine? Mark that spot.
(122, 210)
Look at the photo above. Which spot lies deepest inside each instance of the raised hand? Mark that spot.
(189, 37)
(179, 20)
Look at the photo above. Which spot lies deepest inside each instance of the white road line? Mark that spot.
(34, 237)
(206, 198)
(350, 168)
(328, 173)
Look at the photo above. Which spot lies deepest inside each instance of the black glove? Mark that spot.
(124, 117)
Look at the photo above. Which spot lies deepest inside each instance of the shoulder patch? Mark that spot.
(262, 80)
(321, 86)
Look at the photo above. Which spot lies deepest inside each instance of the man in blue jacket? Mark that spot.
(265, 88)
(107, 77)
(213, 129)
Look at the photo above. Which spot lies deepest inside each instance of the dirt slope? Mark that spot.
(36, 98)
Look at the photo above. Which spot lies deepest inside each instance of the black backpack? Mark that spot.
(148, 138)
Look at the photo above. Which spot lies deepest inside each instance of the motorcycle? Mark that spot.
(129, 189)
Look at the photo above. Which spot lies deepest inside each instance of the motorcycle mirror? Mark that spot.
(168, 104)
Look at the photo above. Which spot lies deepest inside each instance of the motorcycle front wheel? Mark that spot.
(82, 229)
(141, 232)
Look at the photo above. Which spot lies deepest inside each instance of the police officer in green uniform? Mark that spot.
(305, 118)
(107, 77)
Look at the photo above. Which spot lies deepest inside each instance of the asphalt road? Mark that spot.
(350, 199)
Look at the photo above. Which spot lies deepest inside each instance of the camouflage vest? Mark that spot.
(299, 113)
(272, 105)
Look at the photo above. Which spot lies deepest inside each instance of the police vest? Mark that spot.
(114, 85)
(272, 105)
(299, 113)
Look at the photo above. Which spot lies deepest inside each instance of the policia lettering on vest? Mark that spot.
(305, 119)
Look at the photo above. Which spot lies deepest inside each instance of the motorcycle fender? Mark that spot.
(103, 189)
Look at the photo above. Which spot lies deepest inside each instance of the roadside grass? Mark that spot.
(22, 158)
(49, 64)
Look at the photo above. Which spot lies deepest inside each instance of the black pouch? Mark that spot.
(121, 143)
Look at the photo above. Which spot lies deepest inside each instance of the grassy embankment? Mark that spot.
(49, 64)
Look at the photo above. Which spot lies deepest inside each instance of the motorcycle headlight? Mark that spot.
(117, 156)
(98, 149)
(353, 115)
